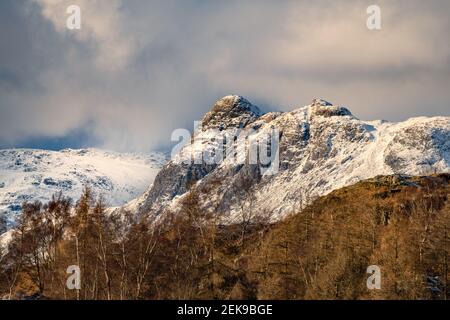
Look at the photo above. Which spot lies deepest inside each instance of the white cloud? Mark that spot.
(102, 29)
(138, 69)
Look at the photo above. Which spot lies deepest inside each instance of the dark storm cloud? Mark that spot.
(138, 69)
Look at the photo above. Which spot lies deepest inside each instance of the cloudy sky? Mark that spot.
(138, 69)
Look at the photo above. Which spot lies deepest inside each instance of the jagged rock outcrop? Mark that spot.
(230, 112)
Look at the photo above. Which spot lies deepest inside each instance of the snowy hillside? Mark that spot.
(29, 175)
(322, 147)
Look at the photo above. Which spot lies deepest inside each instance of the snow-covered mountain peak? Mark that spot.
(231, 111)
(322, 147)
(320, 102)
(321, 107)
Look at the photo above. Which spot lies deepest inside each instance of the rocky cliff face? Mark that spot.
(321, 147)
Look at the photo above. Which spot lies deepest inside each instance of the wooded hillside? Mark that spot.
(398, 223)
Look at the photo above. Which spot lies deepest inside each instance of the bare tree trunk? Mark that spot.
(445, 266)
(144, 265)
(78, 261)
(124, 273)
(102, 255)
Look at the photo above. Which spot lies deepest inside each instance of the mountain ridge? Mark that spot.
(322, 147)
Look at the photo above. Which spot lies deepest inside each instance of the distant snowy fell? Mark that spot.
(30, 175)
